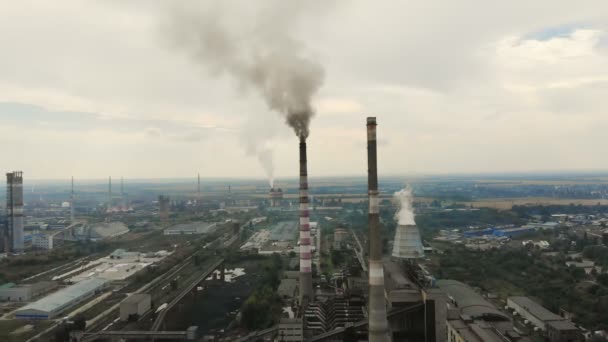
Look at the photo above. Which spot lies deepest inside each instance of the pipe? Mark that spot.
(378, 324)
(306, 293)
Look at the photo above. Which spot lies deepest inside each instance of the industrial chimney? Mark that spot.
(306, 294)
(378, 324)
(72, 202)
(109, 192)
(14, 208)
(163, 211)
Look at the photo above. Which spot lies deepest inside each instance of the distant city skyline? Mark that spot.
(91, 89)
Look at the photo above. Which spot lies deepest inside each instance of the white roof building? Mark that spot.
(55, 303)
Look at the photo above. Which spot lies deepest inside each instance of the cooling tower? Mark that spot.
(378, 324)
(408, 244)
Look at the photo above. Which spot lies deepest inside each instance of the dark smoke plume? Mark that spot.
(253, 43)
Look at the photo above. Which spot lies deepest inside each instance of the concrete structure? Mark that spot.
(306, 291)
(14, 212)
(190, 228)
(43, 241)
(287, 288)
(378, 324)
(533, 312)
(407, 244)
(60, 301)
(163, 211)
(291, 330)
(135, 305)
(25, 292)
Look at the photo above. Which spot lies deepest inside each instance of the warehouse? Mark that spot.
(53, 304)
(532, 311)
(11, 293)
(190, 228)
(512, 232)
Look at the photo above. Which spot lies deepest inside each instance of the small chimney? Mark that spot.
(378, 324)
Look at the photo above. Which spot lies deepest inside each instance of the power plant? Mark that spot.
(407, 243)
(378, 323)
(306, 291)
(14, 212)
(275, 195)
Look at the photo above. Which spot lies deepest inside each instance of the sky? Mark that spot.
(96, 88)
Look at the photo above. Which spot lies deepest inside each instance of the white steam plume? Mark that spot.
(252, 42)
(405, 214)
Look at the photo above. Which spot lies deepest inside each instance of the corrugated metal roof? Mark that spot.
(535, 309)
(470, 302)
(58, 300)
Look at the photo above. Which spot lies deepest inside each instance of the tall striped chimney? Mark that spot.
(378, 324)
(306, 294)
(72, 202)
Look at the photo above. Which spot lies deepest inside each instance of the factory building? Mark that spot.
(62, 300)
(532, 311)
(291, 330)
(13, 235)
(12, 293)
(190, 228)
(471, 318)
(513, 232)
(136, 305)
(43, 241)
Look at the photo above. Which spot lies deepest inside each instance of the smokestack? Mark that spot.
(109, 192)
(198, 189)
(163, 211)
(378, 324)
(72, 202)
(14, 210)
(306, 294)
(123, 195)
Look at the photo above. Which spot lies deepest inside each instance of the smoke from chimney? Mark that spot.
(405, 214)
(254, 45)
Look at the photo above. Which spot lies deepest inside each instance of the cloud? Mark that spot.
(456, 86)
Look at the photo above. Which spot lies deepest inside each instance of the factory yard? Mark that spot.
(278, 238)
(119, 265)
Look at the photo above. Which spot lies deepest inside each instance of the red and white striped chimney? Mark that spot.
(306, 293)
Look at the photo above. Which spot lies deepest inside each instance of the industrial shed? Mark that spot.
(55, 303)
(25, 292)
(471, 303)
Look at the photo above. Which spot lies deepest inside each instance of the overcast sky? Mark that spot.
(93, 88)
